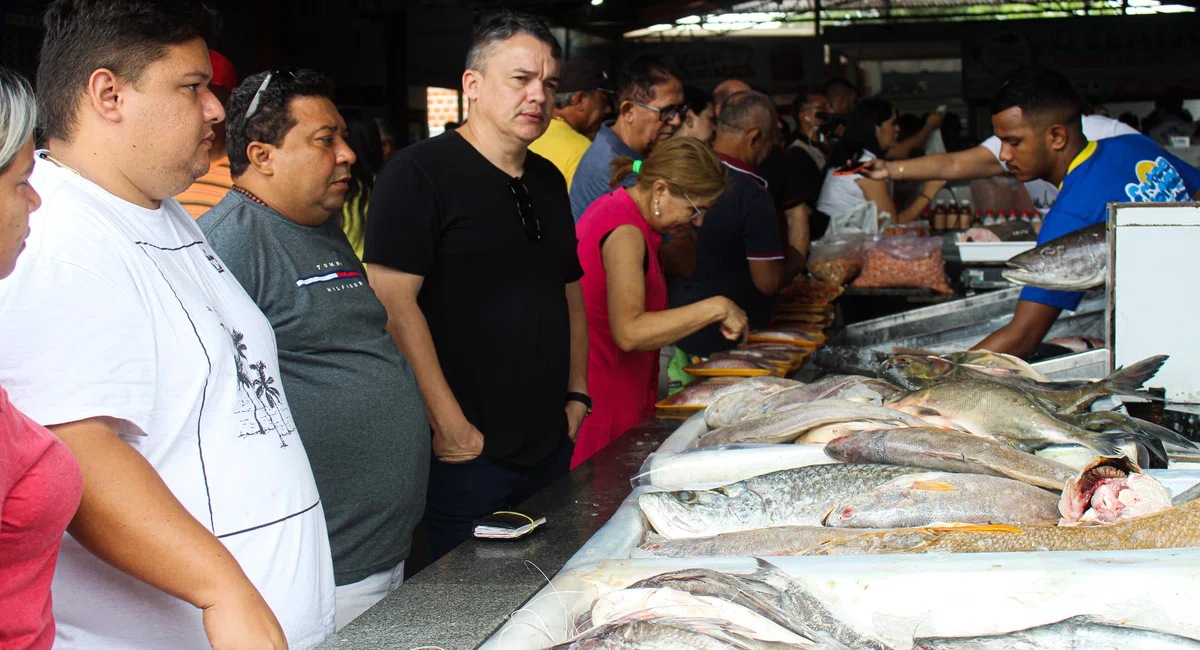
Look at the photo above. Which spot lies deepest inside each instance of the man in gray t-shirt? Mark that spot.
(354, 397)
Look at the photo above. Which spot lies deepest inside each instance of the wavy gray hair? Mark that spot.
(18, 114)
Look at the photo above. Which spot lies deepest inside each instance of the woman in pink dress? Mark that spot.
(624, 288)
(40, 483)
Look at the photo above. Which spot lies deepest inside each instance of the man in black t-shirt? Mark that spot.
(471, 247)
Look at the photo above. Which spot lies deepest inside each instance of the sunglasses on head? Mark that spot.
(279, 76)
(529, 221)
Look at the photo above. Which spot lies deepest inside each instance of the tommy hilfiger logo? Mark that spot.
(328, 277)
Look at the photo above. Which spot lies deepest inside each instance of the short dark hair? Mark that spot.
(746, 110)
(272, 117)
(124, 36)
(838, 86)
(640, 75)
(501, 26)
(696, 99)
(1041, 94)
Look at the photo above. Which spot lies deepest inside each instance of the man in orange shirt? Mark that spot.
(209, 189)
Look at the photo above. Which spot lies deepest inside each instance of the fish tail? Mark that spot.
(1133, 377)
(1105, 444)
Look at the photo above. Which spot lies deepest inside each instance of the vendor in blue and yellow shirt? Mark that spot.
(1036, 115)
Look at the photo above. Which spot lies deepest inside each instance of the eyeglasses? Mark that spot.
(284, 76)
(699, 213)
(666, 113)
(529, 221)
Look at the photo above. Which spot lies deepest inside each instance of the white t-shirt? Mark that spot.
(1095, 127)
(842, 194)
(116, 310)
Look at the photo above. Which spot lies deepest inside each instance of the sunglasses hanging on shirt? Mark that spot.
(529, 221)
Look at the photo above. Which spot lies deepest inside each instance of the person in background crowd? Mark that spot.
(984, 161)
(356, 401)
(1036, 115)
(624, 287)
(650, 108)
(724, 90)
(740, 254)
(504, 374)
(363, 138)
(200, 524)
(1101, 111)
(700, 122)
(804, 172)
(906, 143)
(582, 101)
(40, 484)
(1129, 119)
(842, 95)
(387, 137)
(952, 133)
(209, 189)
(908, 126)
(870, 130)
(1169, 118)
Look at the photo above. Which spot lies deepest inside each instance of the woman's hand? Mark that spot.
(735, 325)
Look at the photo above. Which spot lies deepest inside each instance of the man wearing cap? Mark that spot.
(581, 102)
(209, 189)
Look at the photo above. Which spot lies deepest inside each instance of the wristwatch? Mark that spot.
(582, 399)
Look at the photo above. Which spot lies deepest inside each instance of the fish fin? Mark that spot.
(1133, 377)
(1105, 444)
(975, 528)
(921, 411)
(931, 486)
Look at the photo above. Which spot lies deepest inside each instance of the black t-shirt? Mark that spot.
(800, 182)
(495, 301)
(741, 226)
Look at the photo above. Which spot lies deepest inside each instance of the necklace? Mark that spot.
(46, 156)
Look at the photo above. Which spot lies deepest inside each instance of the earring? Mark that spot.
(656, 213)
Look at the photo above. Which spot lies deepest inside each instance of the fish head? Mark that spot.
(699, 513)
(914, 372)
(865, 510)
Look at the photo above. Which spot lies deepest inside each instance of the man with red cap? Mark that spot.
(209, 189)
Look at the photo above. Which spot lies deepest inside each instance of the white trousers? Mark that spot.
(355, 598)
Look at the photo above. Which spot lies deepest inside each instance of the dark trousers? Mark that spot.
(460, 493)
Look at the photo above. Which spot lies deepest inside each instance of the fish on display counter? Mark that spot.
(786, 426)
(1078, 343)
(1109, 490)
(1075, 633)
(937, 497)
(1074, 262)
(800, 496)
(762, 542)
(996, 361)
(728, 405)
(948, 451)
(697, 394)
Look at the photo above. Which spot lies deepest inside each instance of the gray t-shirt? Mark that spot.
(354, 397)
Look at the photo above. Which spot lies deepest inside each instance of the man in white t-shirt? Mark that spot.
(200, 524)
(983, 161)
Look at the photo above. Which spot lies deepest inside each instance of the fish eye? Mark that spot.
(686, 496)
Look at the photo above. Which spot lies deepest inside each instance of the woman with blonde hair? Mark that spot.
(624, 288)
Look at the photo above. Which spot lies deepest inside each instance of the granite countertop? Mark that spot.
(460, 601)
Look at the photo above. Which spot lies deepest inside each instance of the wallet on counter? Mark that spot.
(507, 524)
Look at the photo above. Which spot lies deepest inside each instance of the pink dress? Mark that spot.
(623, 385)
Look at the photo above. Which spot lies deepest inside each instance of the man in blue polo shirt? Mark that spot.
(650, 108)
(1036, 116)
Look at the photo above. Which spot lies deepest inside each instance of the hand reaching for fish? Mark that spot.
(735, 325)
(457, 444)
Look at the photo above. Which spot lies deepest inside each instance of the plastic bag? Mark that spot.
(863, 219)
(905, 261)
(837, 258)
(914, 228)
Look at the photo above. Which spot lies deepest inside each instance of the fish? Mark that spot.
(762, 542)
(1075, 633)
(1178, 527)
(696, 395)
(804, 604)
(938, 497)
(995, 410)
(1078, 343)
(744, 367)
(916, 372)
(729, 405)
(786, 426)
(828, 387)
(759, 355)
(666, 633)
(985, 359)
(791, 336)
(849, 359)
(1152, 435)
(1108, 490)
(660, 602)
(949, 451)
(799, 496)
(1074, 262)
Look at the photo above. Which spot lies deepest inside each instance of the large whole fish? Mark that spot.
(763, 542)
(668, 633)
(995, 410)
(948, 451)
(788, 425)
(661, 602)
(848, 387)
(794, 497)
(918, 372)
(729, 404)
(1178, 527)
(1074, 262)
(1075, 633)
(697, 395)
(938, 497)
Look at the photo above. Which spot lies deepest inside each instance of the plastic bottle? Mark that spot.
(964, 215)
(939, 216)
(989, 218)
(1025, 216)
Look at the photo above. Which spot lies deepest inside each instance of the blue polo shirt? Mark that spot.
(595, 169)
(1124, 169)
